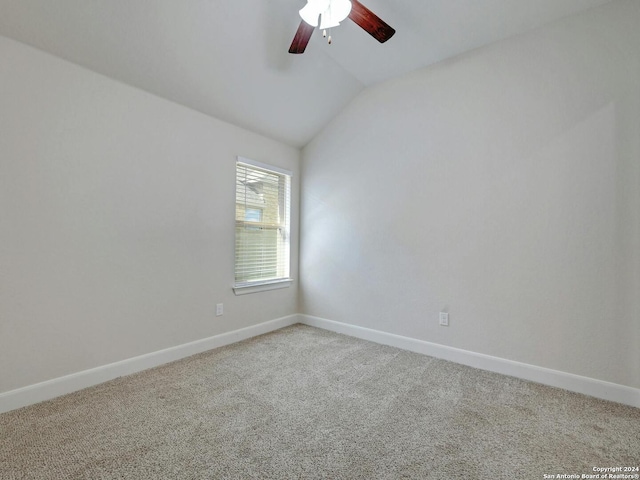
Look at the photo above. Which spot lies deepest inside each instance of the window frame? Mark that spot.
(242, 288)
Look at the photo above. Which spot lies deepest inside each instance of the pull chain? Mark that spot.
(324, 35)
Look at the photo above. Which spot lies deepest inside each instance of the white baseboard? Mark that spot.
(39, 392)
(554, 378)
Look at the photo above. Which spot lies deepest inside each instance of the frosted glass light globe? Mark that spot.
(331, 12)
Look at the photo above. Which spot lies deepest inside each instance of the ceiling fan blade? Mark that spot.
(301, 38)
(370, 22)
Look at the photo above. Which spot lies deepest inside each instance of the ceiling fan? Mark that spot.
(331, 13)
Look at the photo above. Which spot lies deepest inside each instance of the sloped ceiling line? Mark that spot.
(229, 59)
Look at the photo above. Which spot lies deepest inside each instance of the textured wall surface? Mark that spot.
(501, 186)
(116, 221)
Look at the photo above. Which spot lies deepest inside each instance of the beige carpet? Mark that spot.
(306, 403)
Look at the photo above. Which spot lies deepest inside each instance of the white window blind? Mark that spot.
(263, 197)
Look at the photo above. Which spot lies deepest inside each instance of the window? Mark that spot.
(263, 197)
(253, 214)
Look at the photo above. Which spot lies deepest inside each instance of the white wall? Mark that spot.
(116, 221)
(502, 186)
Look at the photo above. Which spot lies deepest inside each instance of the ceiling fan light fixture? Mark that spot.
(310, 14)
(331, 12)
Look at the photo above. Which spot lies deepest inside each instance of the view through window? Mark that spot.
(262, 223)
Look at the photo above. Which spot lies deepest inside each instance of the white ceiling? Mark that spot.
(229, 58)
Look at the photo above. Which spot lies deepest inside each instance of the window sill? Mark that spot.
(262, 286)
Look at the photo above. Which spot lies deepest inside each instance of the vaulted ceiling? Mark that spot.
(228, 58)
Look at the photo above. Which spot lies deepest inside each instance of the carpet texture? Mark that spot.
(307, 403)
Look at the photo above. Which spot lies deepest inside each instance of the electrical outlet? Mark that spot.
(219, 309)
(444, 319)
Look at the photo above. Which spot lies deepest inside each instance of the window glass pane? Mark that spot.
(253, 215)
(262, 224)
